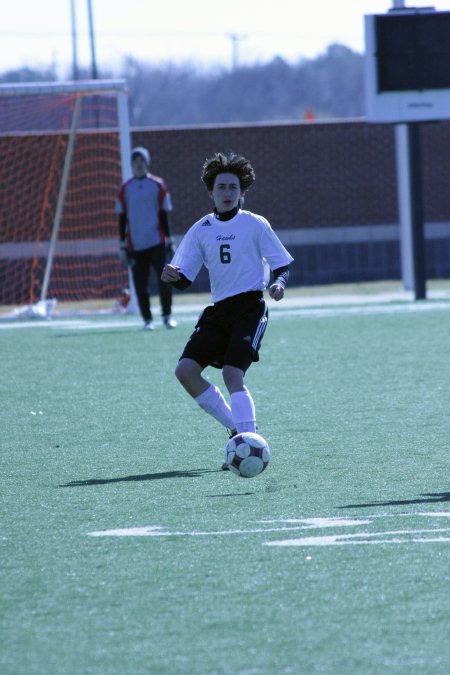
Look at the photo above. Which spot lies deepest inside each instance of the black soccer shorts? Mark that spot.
(229, 332)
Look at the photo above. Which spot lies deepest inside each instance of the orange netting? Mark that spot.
(33, 143)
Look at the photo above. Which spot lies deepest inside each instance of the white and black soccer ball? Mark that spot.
(247, 454)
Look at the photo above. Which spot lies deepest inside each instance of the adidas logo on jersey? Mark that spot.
(206, 223)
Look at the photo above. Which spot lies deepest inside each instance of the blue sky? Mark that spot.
(39, 33)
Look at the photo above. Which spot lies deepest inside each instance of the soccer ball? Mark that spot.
(247, 454)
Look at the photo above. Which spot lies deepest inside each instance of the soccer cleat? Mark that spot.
(231, 433)
(169, 322)
(149, 325)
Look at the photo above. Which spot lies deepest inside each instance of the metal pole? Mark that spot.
(236, 39)
(94, 73)
(125, 152)
(410, 202)
(124, 134)
(75, 72)
(418, 238)
(402, 155)
(234, 50)
(410, 205)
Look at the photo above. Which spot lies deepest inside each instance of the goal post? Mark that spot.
(61, 196)
(64, 150)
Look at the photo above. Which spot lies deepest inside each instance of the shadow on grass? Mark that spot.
(194, 473)
(233, 494)
(427, 498)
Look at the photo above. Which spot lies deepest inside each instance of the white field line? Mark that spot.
(332, 541)
(185, 314)
(361, 310)
(158, 531)
(332, 521)
(154, 531)
(365, 537)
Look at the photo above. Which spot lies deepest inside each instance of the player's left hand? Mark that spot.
(276, 292)
(170, 273)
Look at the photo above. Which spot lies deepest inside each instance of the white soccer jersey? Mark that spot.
(235, 253)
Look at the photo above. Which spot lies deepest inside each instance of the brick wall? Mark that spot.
(328, 189)
(307, 175)
(333, 181)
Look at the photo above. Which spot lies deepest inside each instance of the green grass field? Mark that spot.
(125, 549)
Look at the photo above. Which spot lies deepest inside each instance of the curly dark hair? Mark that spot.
(228, 162)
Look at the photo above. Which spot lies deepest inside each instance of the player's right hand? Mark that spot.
(170, 273)
(276, 292)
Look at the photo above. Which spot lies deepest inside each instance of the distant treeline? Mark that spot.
(329, 86)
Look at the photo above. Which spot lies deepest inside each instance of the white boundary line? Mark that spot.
(404, 536)
(185, 315)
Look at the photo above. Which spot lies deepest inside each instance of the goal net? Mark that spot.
(64, 150)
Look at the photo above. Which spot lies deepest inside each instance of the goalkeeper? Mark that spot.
(236, 247)
(142, 205)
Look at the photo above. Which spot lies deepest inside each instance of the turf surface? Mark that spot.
(125, 549)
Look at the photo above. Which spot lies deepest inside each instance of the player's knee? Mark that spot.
(184, 372)
(180, 372)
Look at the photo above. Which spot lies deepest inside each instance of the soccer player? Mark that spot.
(237, 247)
(142, 204)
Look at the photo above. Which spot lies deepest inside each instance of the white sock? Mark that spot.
(213, 402)
(243, 409)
